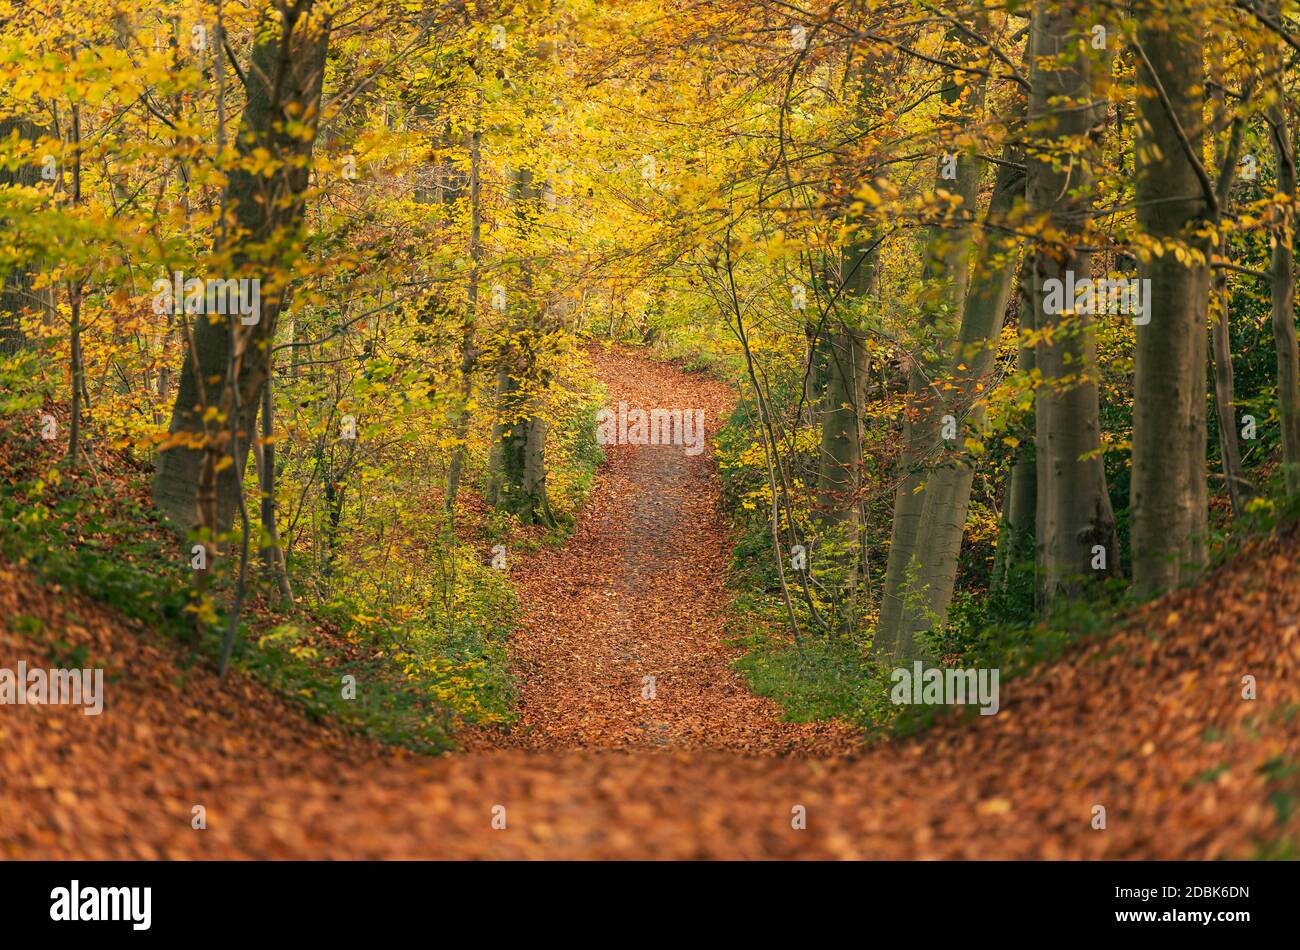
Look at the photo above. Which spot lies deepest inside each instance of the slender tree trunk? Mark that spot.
(179, 144)
(74, 303)
(1073, 517)
(1168, 499)
(467, 346)
(840, 369)
(837, 374)
(1239, 489)
(767, 435)
(840, 462)
(519, 472)
(519, 478)
(814, 376)
(1020, 500)
(948, 485)
(496, 454)
(78, 371)
(264, 453)
(944, 279)
(1283, 304)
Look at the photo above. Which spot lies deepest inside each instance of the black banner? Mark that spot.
(1221, 900)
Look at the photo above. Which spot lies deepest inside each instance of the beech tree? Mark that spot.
(1175, 200)
(944, 281)
(1074, 522)
(227, 362)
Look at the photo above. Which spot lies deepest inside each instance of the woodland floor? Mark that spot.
(1149, 722)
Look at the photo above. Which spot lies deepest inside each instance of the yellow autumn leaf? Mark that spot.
(993, 806)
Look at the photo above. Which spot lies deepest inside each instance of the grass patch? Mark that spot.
(819, 678)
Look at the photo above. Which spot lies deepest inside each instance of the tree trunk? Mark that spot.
(814, 375)
(519, 458)
(945, 277)
(1283, 308)
(284, 83)
(1168, 501)
(835, 383)
(264, 453)
(948, 485)
(74, 304)
(1239, 489)
(839, 473)
(467, 346)
(518, 481)
(1073, 515)
(1019, 502)
(1225, 400)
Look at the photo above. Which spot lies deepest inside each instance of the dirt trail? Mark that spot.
(1149, 723)
(640, 592)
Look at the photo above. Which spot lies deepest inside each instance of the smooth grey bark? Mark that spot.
(1073, 513)
(948, 484)
(944, 277)
(842, 372)
(518, 476)
(839, 475)
(814, 375)
(1169, 494)
(264, 454)
(78, 367)
(837, 374)
(284, 76)
(1239, 488)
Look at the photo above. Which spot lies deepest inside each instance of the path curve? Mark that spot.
(636, 603)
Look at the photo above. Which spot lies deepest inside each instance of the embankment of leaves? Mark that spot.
(94, 531)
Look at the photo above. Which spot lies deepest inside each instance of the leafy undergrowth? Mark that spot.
(828, 675)
(416, 678)
(818, 678)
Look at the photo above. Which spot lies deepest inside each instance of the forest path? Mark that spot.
(1148, 722)
(635, 603)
